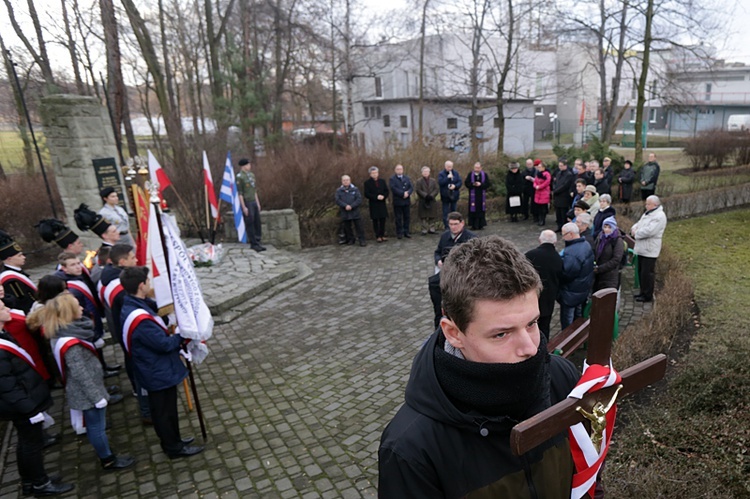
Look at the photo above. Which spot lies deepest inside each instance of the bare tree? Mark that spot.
(72, 49)
(40, 52)
(28, 157)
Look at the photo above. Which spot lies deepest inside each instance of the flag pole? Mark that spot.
(194, 388)
(216, 221)
(189, 214)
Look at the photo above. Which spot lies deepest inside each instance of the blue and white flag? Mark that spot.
(228, 193)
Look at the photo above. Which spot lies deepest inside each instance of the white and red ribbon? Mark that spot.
(588, 461)
(110, 292)
(62, 345)
(132, 321)
(83, 288)
(10, 275)
(11, 347)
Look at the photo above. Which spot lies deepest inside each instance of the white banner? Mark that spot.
(157, 263)
(193, 316)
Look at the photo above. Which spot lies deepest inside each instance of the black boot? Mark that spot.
(117, 462)
(51, 489)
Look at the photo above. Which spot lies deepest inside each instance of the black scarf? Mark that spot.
(517, 391)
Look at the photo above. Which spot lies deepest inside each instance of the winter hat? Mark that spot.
(8, 247)
(89, 220)
(53, 230)
(582, 205)
(590, 188)
(537, 162)
(610, 221)
(106, 192)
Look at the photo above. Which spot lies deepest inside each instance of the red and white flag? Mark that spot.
(157, 263)
(157, 173)
(210, 191)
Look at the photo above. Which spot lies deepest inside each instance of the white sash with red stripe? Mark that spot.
(62, 345)
(111, 291)
(587, 459)
(132, 321)
(83, 288)
(11, 347)
(10, 275)
(18, 315)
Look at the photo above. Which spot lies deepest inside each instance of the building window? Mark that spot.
(404, 121)
(367, 111)
(404, 140)
(378, 87)
(496, 122)
(377, 112)
(452, 123)
(708, 91)
(478, 122)
(539, 111)
(652, 115)
(386, 120)
(632, 115)
(634, 89)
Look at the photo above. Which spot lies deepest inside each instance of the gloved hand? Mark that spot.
(99, 344)
(186, 355)
(38, 418)
(101, 404)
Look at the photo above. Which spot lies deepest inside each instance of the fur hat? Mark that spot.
(8, 247)
(53, 230)
(89, 220)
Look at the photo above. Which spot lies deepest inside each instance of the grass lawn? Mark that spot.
(693, 440)
(11, 151)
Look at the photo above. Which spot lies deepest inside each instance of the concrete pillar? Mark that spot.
(77, 130)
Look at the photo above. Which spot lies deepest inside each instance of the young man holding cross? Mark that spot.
(485, 369)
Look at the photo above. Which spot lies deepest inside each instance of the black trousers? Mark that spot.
(163, 404)
(402, 216)
(29, 451)
(561, 216)
(436, 296)
(477, 220)
(378, 227)
(252, 224)
(646, 193)
(349, 235)
(647, 275)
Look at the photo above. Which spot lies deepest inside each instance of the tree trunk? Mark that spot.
(602, 56)
(39, 57)
(28, 157)
(611, 119)
(642, 83)
(504, 71)
(72, 50)
(422, 31)
(350, 70)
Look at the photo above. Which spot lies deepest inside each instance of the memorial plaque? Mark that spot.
(107, 175)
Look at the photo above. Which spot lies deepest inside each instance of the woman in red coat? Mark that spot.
(541, 183)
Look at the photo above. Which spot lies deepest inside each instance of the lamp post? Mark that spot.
(555, 127)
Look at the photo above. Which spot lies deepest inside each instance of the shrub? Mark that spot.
(595, 149)
(711, 147)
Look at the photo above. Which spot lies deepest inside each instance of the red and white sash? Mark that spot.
(62, 345)
(132, 321)
(18, 315)
(11, 347)
(83, 288)
(587, 459)
(110, 292)
(10, 275)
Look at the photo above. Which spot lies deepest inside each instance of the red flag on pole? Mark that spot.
(157, 173)
(142, 214)
(583, 113)
(210, 191)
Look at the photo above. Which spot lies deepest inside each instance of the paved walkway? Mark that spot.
(296, 392)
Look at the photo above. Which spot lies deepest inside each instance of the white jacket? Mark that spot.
(648, 233)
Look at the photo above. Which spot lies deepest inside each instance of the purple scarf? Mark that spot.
(604, 239)
(473, 191)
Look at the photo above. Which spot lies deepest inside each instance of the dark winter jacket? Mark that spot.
(650, 175)
(607, 270)
(599, 219)
(398, 187)
(447, 243)
(449, 195)
(90, 302)
(348, 196)
(373, 189)
(110, 273)
(514, 186)
(431, 449)
(155, 355)
(626, 179)
(84, 377)
(23, 392)
(562, 186)
(548, 264)
(577, 274)
(18, 294)
(602, 186)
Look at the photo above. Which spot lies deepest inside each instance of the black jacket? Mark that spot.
(446, 243)
(373, 189)
(562, 187)
(18, 294)
(431, 449)
(599, 219)
(626, 179)
(607, 269)
(23, 392)
(548, 264)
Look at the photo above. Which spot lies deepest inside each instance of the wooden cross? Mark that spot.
(548, 423)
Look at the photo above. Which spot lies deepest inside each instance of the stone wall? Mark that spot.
(77, 130)
(693, 204)
(280, 228)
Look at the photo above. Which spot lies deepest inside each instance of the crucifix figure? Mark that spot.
(593, 407)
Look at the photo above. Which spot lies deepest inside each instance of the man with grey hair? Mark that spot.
(648, 233)
(577, 275)
(605, 211)
(427, 190)
(376, 191)
(349, 199)
(402, 189)
(583, 223)
(548, 264)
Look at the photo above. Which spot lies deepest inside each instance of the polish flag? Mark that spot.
(157, 262)
(210, 191)
(157, 173)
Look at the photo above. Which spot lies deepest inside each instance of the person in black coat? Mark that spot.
(601, 183)
(608, 256)
(376, 191)
(349, 199)
(625, 179)
(605, 211)
(402, 189)
(528, 188)
(455, 235)
(24, 396)
(515, 183)
(20, 291)
(548, 264)
(562, 186)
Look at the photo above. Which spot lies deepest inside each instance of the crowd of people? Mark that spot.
(52, 336)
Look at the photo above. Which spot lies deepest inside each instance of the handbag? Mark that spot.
(514, 201)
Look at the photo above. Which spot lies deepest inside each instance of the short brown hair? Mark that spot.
(487, 268)
(65, 256)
